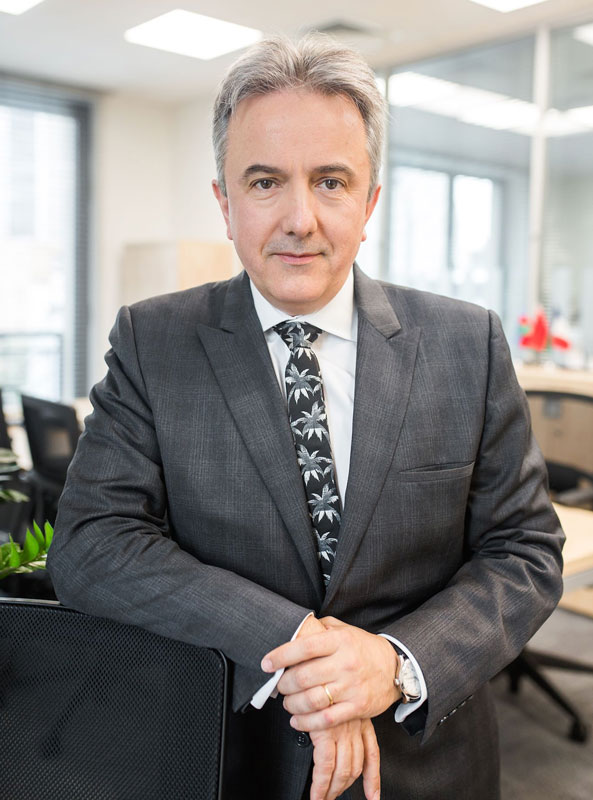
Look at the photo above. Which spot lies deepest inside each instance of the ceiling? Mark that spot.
(80, 42)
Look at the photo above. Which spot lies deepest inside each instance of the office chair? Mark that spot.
(90, 708)
(563, 427)
(53, 432)
(5, 443)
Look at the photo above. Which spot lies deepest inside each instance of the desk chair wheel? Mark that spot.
(579, 732)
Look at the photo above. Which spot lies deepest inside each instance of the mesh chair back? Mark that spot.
(94, 710)
(53, 432)
(4, 437)
(563, 426)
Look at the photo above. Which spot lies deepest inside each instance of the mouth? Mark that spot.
(296, 258)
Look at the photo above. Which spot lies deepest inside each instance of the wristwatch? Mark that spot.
(406, 680)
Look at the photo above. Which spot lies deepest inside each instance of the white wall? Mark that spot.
(152, 174)
(196, 214)
(132, 182)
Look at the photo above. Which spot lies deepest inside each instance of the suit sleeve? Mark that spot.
(112, 553)
(511, 581)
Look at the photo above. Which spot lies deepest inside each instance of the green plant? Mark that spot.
(12, 496)
(31, 556)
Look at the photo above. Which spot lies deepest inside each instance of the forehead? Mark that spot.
(296, 124)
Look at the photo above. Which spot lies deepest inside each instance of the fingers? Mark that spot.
(343, 774)
(345, 760)
(371, 777)
(315, 699)
(301, 649)
(305, 676)
(324, 759)
(330, 717)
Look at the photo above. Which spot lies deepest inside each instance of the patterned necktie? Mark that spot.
(310, 431)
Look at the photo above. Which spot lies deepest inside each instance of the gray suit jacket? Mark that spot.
(184, 512)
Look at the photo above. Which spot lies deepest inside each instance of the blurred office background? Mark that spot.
(105, 198)
(106, 163)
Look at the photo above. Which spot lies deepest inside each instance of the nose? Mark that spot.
(299, 213)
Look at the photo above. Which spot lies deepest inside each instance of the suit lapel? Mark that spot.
(385, 360)
(239, 357)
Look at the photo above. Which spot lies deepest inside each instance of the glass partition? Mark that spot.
(567, 248)
(459, 165)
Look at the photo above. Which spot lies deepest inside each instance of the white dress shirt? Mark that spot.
(335, 349)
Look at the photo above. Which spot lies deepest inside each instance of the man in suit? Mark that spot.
(379, 602)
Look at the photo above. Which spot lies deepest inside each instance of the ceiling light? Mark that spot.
(192, 35)
(483, 107)
(506, 5)
(414, 89)
(584, 34)
(17, 6)
(583, 115)
(560, 123)
(503, 115)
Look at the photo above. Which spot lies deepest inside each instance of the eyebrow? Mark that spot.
(267, 169)
(333, 168)
(261, 169)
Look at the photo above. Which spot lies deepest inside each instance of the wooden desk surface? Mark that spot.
(555, 379)
(578, 550)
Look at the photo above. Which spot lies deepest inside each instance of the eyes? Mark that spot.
(329, 184)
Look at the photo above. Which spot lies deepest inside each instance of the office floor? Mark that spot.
(539, 762)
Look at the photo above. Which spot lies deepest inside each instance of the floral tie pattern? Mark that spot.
(310, 432)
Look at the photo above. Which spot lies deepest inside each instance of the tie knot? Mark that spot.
(297, 335)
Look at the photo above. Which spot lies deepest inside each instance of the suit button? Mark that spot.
(303, 739)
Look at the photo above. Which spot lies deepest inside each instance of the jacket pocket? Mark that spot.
(438, 472)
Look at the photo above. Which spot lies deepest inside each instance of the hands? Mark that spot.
(330, 659)
(356, 667)
(340, 755)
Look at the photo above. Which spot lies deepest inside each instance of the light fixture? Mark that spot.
(415, 89)
(506, 114)
(484, 108)
(17, 6)
(584, 33)
(506, 5)
(583, 115)
(192, 35)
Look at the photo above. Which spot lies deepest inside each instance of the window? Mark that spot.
(446, 234)
(44, 153)
(459, 175)
(566, 266)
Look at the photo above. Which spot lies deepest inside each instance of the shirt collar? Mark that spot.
(338, 317)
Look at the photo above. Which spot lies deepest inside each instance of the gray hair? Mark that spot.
(317, 63)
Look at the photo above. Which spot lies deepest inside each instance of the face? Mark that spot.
(297, 175)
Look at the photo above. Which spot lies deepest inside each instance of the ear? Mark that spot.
(371, 203)
(223, 202)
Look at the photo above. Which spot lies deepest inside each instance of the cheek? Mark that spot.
(249, 229)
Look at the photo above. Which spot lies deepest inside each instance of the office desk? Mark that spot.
(555, 379)
(578, 559)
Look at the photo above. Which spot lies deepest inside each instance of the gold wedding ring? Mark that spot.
(329, 694)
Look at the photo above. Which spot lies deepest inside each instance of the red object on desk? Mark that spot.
(537, 335)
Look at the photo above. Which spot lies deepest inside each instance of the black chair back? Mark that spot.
(90, 708)
(5, 442)
(53, 432)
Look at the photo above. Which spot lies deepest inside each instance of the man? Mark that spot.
(331, 479)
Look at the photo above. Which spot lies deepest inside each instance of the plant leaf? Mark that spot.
(38, 534)
(49, 535)
(14, 556)
(31, 548)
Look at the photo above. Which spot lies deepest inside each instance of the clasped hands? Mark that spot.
(337, 677)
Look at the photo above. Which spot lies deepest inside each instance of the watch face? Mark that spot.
(409, 680)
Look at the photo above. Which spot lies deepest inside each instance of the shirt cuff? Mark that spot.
(404, 710)
(269, 688)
